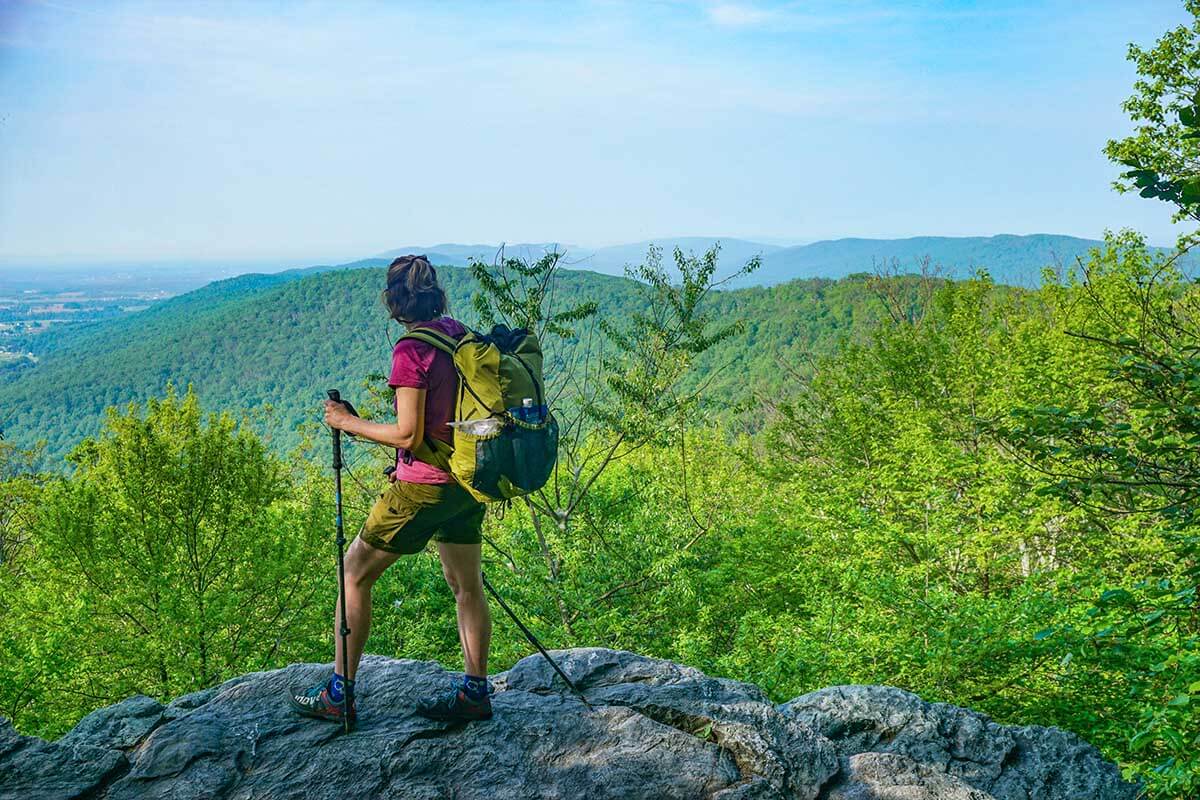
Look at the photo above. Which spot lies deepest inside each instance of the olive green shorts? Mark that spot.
(407, 515)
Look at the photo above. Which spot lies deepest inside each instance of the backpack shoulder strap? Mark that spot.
(439, 340)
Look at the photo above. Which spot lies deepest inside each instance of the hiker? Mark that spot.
(421, 502)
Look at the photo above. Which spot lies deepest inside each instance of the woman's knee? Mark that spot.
(463, 586)
(359, 575)
(451, 580)
(362, 566)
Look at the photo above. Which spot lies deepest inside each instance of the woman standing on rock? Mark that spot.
(422, 502)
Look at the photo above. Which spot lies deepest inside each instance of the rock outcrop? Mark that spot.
(650, 729)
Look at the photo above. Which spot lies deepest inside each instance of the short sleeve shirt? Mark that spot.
(417, 365)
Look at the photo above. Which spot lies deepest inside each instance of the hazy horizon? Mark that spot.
(217, 268)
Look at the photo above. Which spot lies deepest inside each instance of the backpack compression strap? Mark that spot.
(433, 451)
(444, 343)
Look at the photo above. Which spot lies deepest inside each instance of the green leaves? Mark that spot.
(520, 294)
(186, 556)
(1189, 190)
(1143, 177)
(1125, 453)
(1165, 110)
(1141, 741)
(1114, 596)
(1182, 190)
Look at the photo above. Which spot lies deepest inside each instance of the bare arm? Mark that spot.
(407, 432)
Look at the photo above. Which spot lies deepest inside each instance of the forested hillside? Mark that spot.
(277, 341)
(267, 340)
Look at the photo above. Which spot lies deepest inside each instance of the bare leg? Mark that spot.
(461, 566)
(364, 565)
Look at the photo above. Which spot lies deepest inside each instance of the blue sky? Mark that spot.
(314, 131)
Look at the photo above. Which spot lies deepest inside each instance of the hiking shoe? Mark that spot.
(455, 706)
(316, 702)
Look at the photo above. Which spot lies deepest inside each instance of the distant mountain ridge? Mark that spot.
(1008, 258)
(1016, 260)
(261, 341)
(610, 260)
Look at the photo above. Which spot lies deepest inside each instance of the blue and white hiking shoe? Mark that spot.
(316, 702)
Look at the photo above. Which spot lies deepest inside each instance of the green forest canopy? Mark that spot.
(270, 345)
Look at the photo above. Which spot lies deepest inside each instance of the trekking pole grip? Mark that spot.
(336, 397)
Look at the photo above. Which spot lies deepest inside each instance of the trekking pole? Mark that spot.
(336, 397)
(533, 639)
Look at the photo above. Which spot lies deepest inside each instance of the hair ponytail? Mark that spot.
(413, 293)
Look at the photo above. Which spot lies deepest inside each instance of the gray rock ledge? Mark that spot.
(655, 729)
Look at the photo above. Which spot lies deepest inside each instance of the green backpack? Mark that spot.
(505, 438)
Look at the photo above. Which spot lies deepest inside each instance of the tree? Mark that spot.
(173, 557)
(19, 486)
(20, 492)
(1163, 154)
(615, 383)
(1128, 455)
(1132, 451)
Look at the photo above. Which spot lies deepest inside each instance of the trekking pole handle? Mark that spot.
(336, 397)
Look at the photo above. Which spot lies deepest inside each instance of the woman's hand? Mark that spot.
(336, 415)
(404, 433)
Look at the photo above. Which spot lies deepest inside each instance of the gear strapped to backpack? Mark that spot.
(505, 438)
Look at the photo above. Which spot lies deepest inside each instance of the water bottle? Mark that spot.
(527, 412)
(479, 427)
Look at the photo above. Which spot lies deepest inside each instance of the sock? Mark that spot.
(475, 686)
(339, 687)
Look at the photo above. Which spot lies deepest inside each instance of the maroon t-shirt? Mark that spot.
(418, 365)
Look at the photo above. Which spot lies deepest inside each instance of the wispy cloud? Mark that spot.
(738, 15)
(800, 17)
